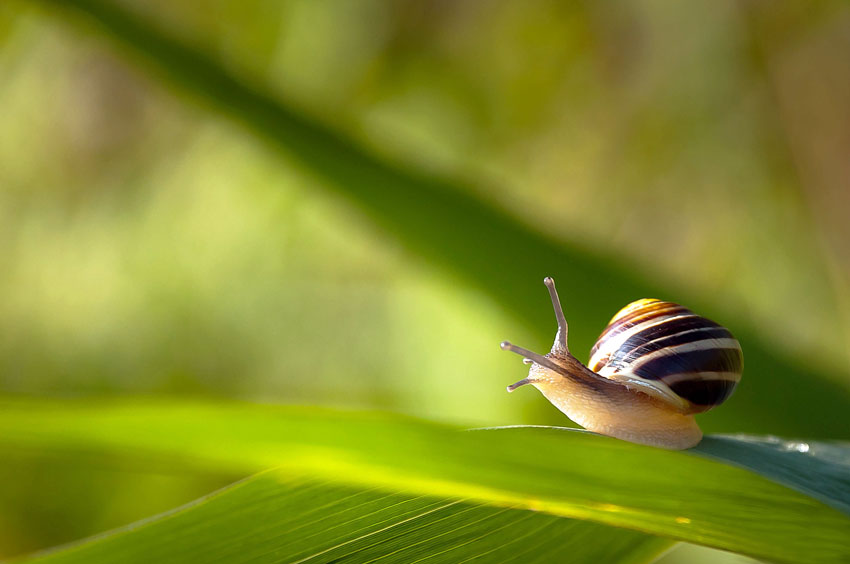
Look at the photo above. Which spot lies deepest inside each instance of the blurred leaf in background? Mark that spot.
(148, 246)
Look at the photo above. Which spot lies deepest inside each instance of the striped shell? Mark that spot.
(669, 352)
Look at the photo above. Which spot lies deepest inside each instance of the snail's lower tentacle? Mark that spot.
(522, 382)
(535, 357)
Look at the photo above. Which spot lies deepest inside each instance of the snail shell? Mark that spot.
(655, 365)
(670, 352)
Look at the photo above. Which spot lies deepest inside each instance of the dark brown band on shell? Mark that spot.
(668, 346)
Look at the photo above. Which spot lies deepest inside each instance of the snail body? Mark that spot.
(654, 366)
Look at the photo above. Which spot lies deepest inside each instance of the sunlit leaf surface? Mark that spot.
(679, 495)
(268, 519)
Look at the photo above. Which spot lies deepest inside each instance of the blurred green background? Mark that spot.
(150, 246)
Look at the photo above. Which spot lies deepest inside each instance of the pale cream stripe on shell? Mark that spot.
(705, 344)
(613, 343)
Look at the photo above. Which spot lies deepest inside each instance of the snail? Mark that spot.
(654, 366)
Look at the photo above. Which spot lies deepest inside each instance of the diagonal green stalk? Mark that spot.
(468, 236)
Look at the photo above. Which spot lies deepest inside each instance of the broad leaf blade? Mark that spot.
(572, 474)
(821, 470)
(270, 519)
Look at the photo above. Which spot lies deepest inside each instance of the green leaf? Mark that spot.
(819, 469)
(470, 237)
(680, 495)
(270, 519)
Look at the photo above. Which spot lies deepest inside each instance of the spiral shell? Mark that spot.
(669, 352)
